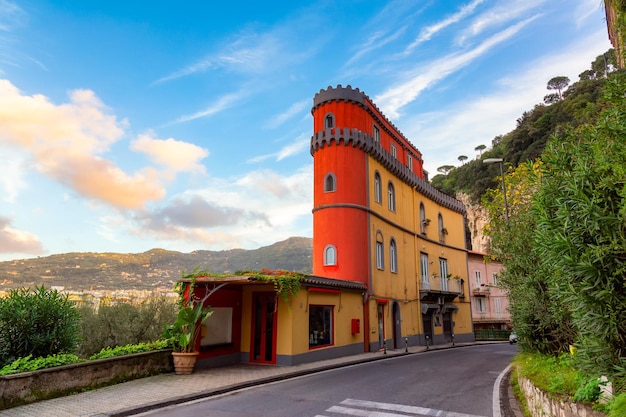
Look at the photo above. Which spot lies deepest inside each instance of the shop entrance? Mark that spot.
(263, 348)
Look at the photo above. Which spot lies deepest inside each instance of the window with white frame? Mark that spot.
(424, 266)
(481, 304)
(477, 278)
(409, 162)
(443, 269)
(376, 134)
(380, 254)
(320, 326)
(330, 183)
(494, 277)
(378, 188)
(330, 255)
(393, 256)
(391, 194)
(394, 151)
(497, 305)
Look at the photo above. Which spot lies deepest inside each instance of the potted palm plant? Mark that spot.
(183, 336)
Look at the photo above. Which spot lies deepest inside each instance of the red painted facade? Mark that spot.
(341, 216)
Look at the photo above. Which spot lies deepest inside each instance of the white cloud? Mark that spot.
(429, 31)
(293, 110)
(395, 98)
(14, 241)
(65, 142)
(11, 181)
(176, 155)
(301, 143)
(255, 209)
(502, 13)
(225, 102)
(462, 126)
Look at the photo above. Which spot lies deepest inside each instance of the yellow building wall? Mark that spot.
(347, 305)
(292, 337)
(403, 225)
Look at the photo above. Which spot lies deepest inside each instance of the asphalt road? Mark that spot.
(444, 383)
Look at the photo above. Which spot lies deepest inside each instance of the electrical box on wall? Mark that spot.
(356, 326)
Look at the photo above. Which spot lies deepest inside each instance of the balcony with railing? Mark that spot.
(433, 287)
(481, 291)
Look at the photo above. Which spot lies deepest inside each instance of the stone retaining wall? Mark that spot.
(541, 405)
(28, 387)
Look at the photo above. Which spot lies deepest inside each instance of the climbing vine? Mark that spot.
(286, 283)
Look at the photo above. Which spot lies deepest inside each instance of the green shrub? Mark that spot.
(29, 363)
(124, 323)
(129, 349)
(617, 408)
(37, 322)
(551, 374)
(588, 391)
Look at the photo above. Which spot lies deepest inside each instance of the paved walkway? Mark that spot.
(145, 394)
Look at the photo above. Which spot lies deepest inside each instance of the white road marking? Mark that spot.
(496, 392)
(345, 409)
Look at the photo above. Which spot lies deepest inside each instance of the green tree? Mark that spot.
(558, 83)
(480, 149)
(462, 158)
(540, 322)
(124, 323)
(581, 232)
(37, 322)
(445, 169)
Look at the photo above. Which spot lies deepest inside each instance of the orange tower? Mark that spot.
(370, 224)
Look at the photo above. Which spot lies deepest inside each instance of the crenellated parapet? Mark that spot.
(361, 140)
(340, 136)
(359, 98)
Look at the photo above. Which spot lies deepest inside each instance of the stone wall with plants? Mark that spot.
(540, 404)
(27, 387)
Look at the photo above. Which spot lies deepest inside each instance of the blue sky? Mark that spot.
(185, 126)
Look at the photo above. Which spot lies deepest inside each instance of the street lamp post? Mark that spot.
(500, 162)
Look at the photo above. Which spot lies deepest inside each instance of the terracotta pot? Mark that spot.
(184, 362)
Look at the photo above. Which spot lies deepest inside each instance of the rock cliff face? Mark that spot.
(476, 221)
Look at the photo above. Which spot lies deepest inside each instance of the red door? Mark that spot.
(263, 349)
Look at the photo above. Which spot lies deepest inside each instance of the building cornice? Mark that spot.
(363, 141)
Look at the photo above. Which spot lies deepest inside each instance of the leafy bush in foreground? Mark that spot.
(37, 322)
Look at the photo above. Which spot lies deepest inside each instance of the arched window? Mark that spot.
(330, 255)
(330, 183)
(442, 230)
(380, 255)
(391, 193)
(378, 189)
(393, 256)
(423, 221)
(329, 121)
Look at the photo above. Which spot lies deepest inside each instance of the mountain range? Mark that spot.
(151, 270)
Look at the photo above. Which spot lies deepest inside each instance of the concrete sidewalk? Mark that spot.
(158, 391)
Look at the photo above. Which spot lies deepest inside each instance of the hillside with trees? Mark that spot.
(563, 243)
(154, 269)
(564, 105)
